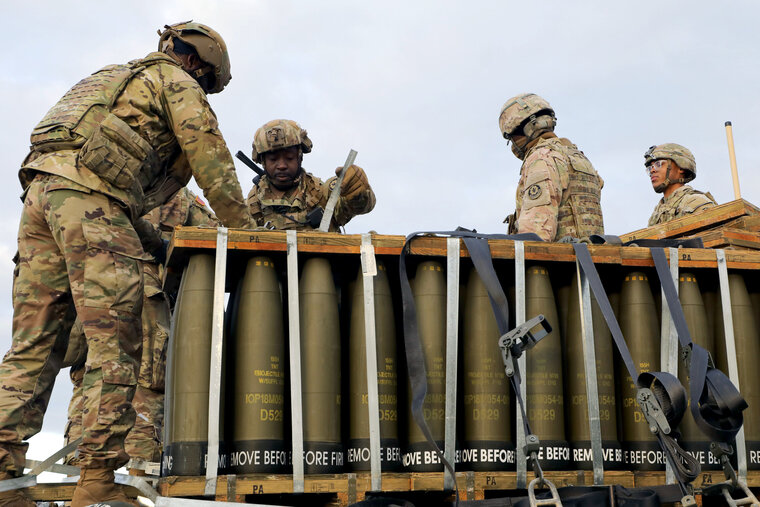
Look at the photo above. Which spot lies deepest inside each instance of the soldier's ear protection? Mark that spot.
(537, 124)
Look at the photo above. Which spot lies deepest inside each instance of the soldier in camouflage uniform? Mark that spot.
(143, 443)
(559, 191)
(287, 197)
(121, 142)
(669, 167)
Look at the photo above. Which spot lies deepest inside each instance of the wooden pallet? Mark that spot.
(351, 488)
(62, 492)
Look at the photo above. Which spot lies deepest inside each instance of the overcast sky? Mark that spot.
(416, 88)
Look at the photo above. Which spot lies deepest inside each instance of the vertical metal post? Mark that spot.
(294, 341)
(733, 365)
(669, 342)
(589, 363)
(369, 270)
(215, 368)
(452, 335)
(522, 464)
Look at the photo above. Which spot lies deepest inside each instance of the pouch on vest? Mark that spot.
(73, 119)
(117, 153)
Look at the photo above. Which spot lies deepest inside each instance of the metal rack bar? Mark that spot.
(215, 367)
(452, 336)
(522, 464)
(294, 339)
(733, 364)
(589, 363)
(669, 343)
(369, 270)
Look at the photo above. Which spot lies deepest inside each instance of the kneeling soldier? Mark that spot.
(287, 197)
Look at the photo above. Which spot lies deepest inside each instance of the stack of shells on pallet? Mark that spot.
(255, 415)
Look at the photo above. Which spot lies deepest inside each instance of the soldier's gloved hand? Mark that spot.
(160, 253)
(354, 182)
(150, 237)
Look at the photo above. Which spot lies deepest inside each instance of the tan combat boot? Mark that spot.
(97, 485)
(14, 497)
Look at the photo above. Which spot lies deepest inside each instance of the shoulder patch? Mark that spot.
(199, 201)
(534, 191)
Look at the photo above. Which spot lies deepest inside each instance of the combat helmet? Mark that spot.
(678, 154)
(523, 110)
(278, 134)
(207, 43)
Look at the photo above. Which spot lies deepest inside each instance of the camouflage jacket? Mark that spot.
(559, 192)
(290, 211)
(185, 208)
(684, 201)
(167, 108)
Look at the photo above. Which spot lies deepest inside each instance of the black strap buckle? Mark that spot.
(520, 339)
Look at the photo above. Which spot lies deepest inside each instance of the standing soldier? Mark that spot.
(143, 443)
(559, 191)
(119, 143)
(286, 196)
(670, 166)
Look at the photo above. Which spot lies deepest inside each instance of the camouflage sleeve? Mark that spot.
(200, 216)
(195, 127)
(356, 196)
(254, 206)
(540, 198)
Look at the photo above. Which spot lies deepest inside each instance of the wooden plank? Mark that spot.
(62, 492)
(189, 240)
(691, 224)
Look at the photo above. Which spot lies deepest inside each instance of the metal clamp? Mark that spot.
(722, 452)
(520, 339)
(540, 482)
(531, 448)
(652, 411)
(749, 498)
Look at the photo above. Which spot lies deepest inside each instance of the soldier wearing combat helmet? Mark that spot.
(559, 191)
(286, 196)
(118, 144)
(669, 167)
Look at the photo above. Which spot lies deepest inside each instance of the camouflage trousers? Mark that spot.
(78, 252)
(144, 440)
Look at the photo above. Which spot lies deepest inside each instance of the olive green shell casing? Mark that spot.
(640, 326)
(358, 454)
(187, 434)
(486, 420)
(747, 339)
(544, 381)
(320, 368)
(578, 432)
(256, 400)
(429, 289)
(692, 438)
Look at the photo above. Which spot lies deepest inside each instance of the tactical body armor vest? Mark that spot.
(684, 201)
(290, 213)
(580, 211)
(108, 146)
